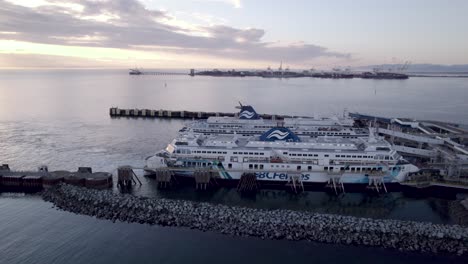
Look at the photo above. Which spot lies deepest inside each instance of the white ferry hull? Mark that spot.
(307, 177)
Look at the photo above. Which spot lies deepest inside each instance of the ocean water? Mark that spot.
(61, 119)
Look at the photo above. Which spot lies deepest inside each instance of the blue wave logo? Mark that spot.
(278, 134)
(247, 114)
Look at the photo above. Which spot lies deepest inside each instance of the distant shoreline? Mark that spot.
(438, 76)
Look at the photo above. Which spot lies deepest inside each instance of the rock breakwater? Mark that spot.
(266, 224)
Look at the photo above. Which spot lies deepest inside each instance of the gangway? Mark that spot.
(415, 151)
(411, 137)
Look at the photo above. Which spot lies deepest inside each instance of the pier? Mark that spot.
(178, 114)
(32, 181)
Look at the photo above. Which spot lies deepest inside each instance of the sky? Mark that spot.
(231, 33)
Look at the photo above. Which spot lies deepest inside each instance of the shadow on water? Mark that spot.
(392, 205)
(34, 232)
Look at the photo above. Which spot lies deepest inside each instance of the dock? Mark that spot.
(178, 114)
(32, 181)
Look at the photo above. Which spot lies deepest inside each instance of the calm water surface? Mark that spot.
(60, 118)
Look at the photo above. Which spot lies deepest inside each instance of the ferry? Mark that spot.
(248, 123)
(135, 71)
(278, 154)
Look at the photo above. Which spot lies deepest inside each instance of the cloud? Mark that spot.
(236, 3)
(128, 24)
(46, 61)
(233, 3)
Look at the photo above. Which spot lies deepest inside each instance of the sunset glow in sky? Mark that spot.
(230, 33)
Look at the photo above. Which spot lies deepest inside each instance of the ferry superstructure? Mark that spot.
(249, 123)
(278, 154)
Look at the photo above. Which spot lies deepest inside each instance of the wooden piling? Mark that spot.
(32, 182)
(295, 183)
(335, 182)
(126, 177)
(376, 182)
(202, 179)
(164, 178)
(248, 183)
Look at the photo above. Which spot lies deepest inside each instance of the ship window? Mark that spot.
(261, 166)
(337, 156)
(203, 164)
(250, 166)
(331, 168)
(348, 156)
(326, 155)
(325, 168)
(359, 156)
(234, 153)
(315, 155)
(386, 157)
(353, 169)
(298, 168)
(203, 151)
(230, 166)
(250, 153)
(224, 152)
(341, 168)
(358, 169)
(256, 153)
(261, 153)
(285, 153)
(256, 166)
(309, 168)
(354, 156)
